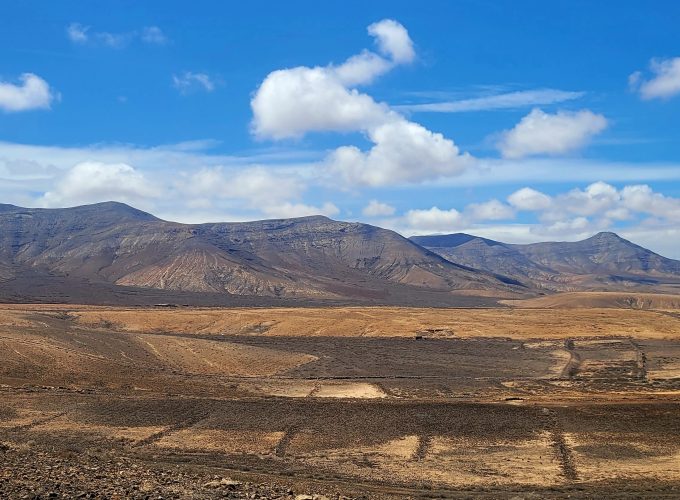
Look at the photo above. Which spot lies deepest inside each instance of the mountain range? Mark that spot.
(110, 253)
(303, 258)
(603, 261)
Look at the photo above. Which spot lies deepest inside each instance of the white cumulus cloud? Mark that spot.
(599, 201)
(258, 187)
(540, 133)
(434, 220)
(529, 199)
(403, 152)
(292, 102)
(91, 182)
(393, 40)
(377, 209)
(664, 84)
(31, 93)
(490, 210)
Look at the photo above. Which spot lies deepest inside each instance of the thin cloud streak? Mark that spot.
(508, 100)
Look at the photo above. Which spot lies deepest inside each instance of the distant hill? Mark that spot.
(307, 258)
(603, 261)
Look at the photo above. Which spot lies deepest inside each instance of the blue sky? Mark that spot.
(522, 121)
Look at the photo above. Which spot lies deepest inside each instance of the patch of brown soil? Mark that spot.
(224, 441)
(587, 300)
(390, 322)
(207, 357)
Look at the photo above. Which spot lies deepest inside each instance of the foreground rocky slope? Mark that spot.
(603, 261)
(309, 257)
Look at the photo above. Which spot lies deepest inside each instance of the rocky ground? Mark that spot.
(27, 473)
(189, 406)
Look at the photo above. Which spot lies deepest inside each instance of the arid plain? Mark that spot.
(573, 394)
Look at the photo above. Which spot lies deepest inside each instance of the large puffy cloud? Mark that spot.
(664, 84)
(433, 220)
(599, 201)
(265, 192)
(377, 209)
(490, 210)
(540, 133)
(292, 102)
(32, 93)
(437, 220)
(182, 182)
(642, 198)
(404, 152)
(91, 182)
(252, 192)
(575, 214)
(529, 199)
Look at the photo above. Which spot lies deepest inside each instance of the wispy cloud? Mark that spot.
(507, 100)
(84, 35)
(190, 81)
(154, 35)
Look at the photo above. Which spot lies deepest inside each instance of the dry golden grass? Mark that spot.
(391, 322)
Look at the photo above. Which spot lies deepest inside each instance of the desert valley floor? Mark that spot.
(573, 394)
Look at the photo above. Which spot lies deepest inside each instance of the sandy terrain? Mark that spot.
(373, 402)
(548, 322)
(588, 300)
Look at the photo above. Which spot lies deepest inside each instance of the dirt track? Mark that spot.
(379, 416)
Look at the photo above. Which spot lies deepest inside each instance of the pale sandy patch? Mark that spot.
(225, 441)
(288, 388)
(361, 390)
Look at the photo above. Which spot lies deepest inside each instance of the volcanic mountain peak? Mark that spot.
(606, 235)
(111, 208)
(450, 240)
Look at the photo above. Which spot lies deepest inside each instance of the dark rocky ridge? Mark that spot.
(307, 258)
(603, 261)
